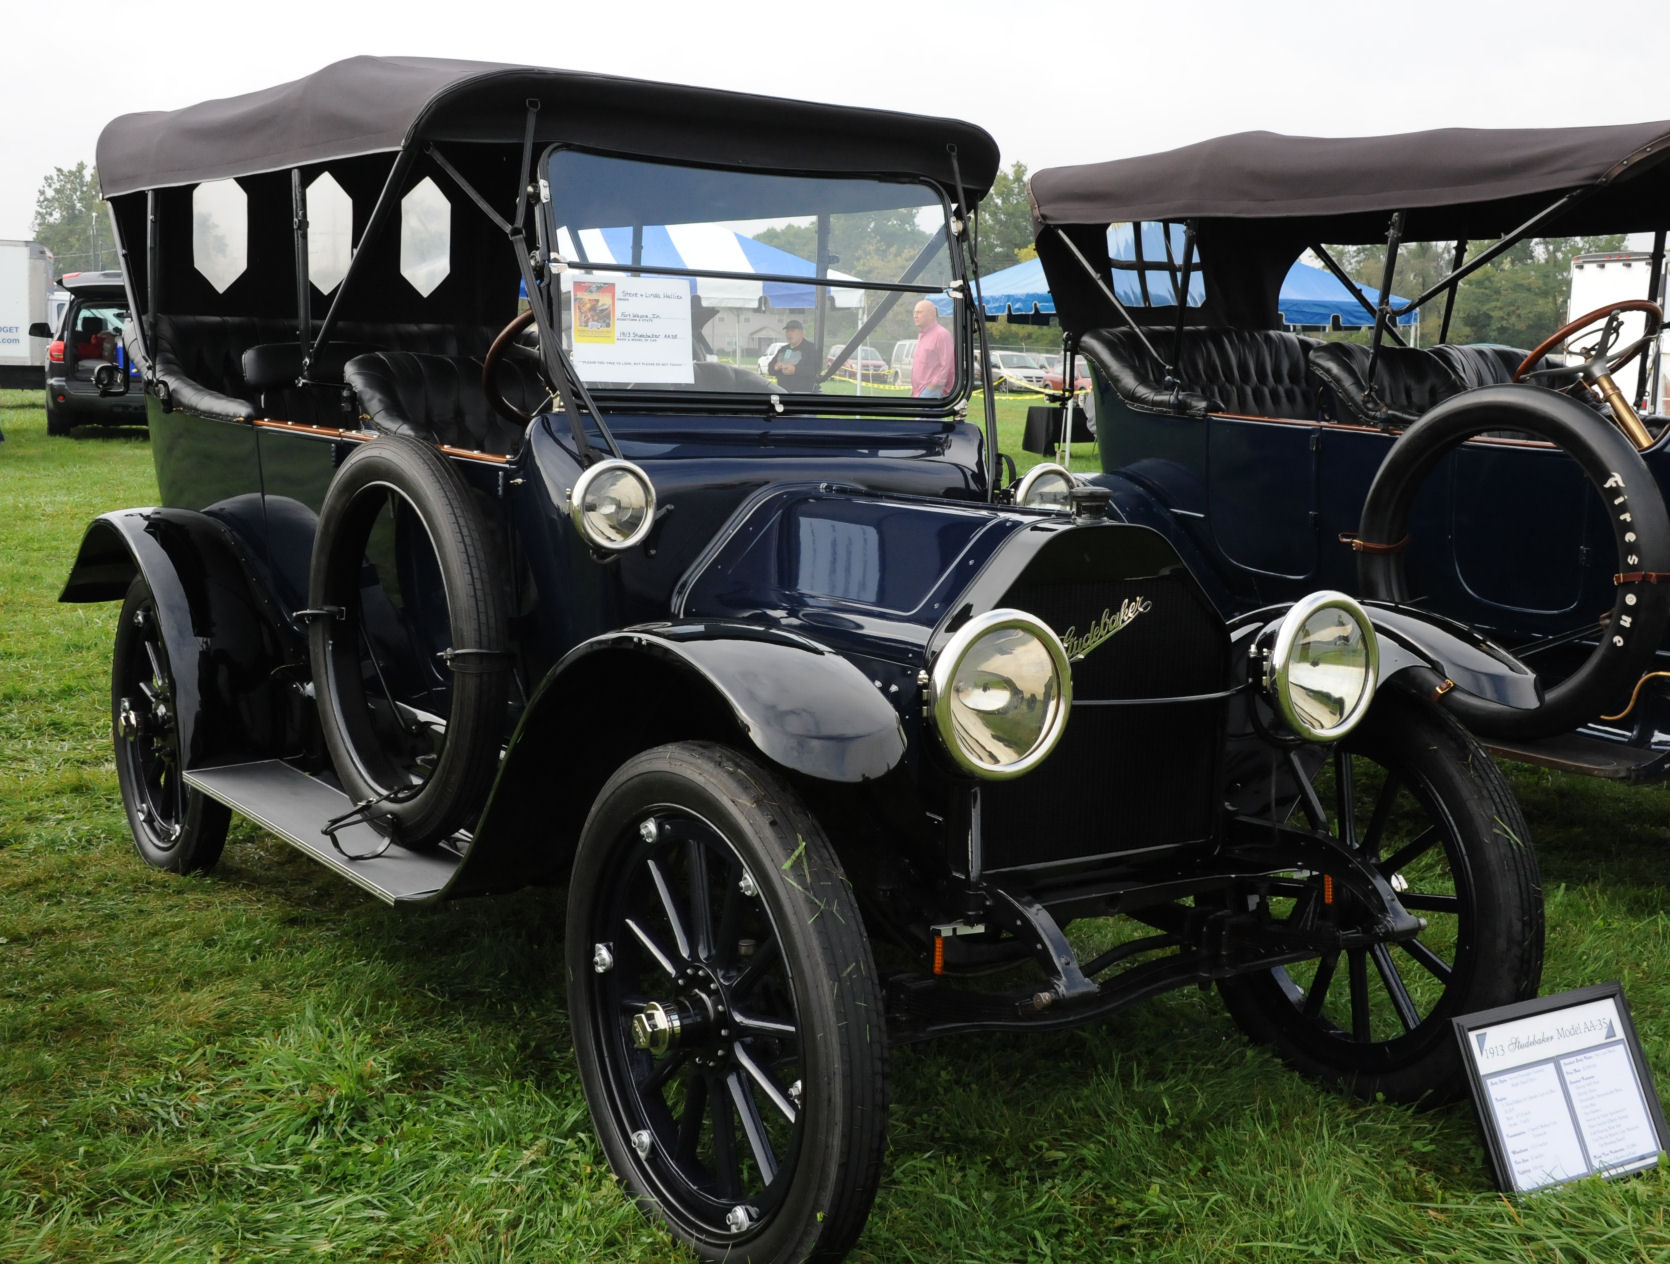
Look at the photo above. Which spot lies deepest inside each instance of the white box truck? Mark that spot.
(25, 278)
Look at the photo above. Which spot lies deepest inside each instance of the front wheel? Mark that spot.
(1418, 800)
(727, 1020)
(174, 826)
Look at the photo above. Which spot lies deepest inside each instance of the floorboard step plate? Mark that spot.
(296, 806)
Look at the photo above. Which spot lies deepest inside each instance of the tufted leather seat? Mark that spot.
(202, 360)
(1407, 382)
(439, 399)
(1255, 372)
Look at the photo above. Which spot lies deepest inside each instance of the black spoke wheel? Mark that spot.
(174, 826)
(1417, 799)
(727, 1020)
(410, 646)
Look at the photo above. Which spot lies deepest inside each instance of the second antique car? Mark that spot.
(834, 738)
(1514, 490)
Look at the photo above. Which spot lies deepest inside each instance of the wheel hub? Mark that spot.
(698, 1019)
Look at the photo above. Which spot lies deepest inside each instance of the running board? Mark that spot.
(1587, 756)
(295, 806)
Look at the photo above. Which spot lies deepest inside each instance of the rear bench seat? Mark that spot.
(246, 366)
(1254, 372)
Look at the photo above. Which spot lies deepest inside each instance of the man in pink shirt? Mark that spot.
(931, 369)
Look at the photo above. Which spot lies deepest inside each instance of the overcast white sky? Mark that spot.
(1054, 81)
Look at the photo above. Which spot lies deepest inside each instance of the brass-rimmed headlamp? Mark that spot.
(1000, 691)
(1321, 665)
(612, 505)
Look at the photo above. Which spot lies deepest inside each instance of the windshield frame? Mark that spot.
(677, 398)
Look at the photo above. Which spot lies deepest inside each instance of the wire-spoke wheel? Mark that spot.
(174, 826)
(1416, 798)
(727, 1020)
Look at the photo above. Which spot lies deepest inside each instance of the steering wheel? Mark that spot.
(1601, 360)
(506, 345)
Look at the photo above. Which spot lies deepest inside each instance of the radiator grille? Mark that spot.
(1124, 778)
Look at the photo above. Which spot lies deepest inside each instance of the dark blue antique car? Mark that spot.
(1510, 489)
(834, 739)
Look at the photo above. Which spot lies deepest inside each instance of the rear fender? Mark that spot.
(785, 697)
(215, 620)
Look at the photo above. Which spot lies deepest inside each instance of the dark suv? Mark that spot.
(88, 372)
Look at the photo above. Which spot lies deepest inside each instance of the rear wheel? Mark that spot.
(726, 1017)
(1422, 804)
(174, 826)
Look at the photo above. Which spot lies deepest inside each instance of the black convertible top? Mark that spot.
(1455, 182)
(368, 105)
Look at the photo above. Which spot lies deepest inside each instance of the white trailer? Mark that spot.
(1607, 277)
(25, 278)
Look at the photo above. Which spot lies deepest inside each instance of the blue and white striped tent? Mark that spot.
(715, 248)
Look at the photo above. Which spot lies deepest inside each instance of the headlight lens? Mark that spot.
(613, 505)
(1045, 487)
(1000, 692)
(1323, 666)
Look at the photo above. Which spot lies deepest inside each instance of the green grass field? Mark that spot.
(265, 1064)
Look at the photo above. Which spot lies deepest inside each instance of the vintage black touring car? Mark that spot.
(1512, 490)
(834, 739)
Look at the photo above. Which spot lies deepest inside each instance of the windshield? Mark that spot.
(684, 279)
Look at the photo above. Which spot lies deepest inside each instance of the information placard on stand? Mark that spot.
(1562, 1088)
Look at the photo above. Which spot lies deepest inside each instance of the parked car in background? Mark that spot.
(770, 354)
(766, 680)
(1019, 367)
(864, 363)
(904, 356)
(89, 377)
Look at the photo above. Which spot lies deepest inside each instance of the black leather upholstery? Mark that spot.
(201, 361)
(439, 399)
(1256, 372)
(1407, 382)
(1480, 364)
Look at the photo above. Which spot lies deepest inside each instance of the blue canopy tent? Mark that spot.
(1309, 296)
(715, 247)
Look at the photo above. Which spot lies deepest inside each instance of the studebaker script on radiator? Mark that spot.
(1111, 622)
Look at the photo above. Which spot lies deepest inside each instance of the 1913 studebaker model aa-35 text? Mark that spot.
(834, 738)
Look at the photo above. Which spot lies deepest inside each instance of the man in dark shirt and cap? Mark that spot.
(795, 366)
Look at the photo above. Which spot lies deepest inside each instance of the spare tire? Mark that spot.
(1639, 523)
(411, 682)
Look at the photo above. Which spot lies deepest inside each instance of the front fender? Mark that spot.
(793, 701)
(1426, 649)
(214, 624)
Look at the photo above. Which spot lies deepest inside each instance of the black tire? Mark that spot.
(57, 423)
(392, 653)
(1640, 526)
(668, 854)
(1439, 816)
(174, 826)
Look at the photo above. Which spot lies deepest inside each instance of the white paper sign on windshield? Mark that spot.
(1562, 1089)
(632, 329)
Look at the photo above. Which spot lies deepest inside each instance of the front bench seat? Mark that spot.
(439, 399)
(1407, 382)
(1253, 372)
